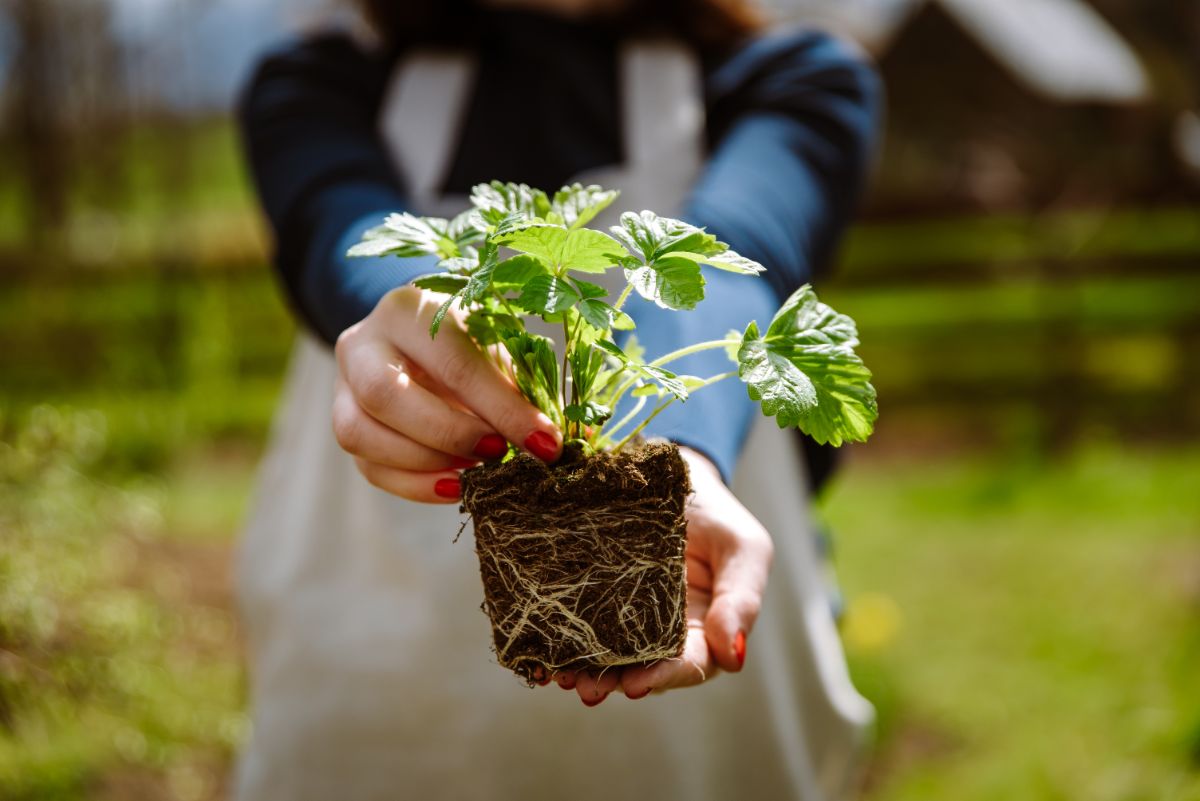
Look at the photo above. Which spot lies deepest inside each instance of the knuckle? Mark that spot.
(446, 436)
(459, 366)
(377, 390)
(346, 428)
(345, 340)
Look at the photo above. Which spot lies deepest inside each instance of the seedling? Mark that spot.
(583, 567)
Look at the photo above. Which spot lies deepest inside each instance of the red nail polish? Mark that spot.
(566, 683)
(542, 445)
(594, 702)
(447, 488)
(642, 694)
(491, 446)
(739, 648)
(462, 462)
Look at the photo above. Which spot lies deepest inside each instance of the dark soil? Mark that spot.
(582, 562)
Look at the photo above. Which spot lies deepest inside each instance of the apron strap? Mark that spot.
(663, 100)
(424, 105)
(427, 98)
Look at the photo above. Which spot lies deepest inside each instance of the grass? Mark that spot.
(1028, 630)
(120, 673)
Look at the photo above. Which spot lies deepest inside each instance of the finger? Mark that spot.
(455, 361)
(441, 487)
(362, 435)
(739, 571)
(594, 688)
(565, 679)
(692, 667)
(389, 394)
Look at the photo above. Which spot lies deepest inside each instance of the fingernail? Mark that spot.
(542, 445)
(447, 488)
(642, 694)
(595, 701)
(491, 446)
(462, 462)
(739, 648)
(566, 682)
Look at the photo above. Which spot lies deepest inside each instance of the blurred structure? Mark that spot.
(1036, 162)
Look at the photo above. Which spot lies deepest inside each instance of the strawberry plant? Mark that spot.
(583, 566)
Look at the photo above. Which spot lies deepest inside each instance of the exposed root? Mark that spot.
(583, 563)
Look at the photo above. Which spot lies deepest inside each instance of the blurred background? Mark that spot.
(1019, 546)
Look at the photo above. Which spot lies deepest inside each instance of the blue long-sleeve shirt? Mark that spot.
(791, 120)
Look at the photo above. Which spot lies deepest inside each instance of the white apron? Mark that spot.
(371, 672)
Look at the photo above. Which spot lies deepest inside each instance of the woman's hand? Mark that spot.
(414, 410)
(729, 554)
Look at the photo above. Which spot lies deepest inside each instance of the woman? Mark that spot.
(371, 674)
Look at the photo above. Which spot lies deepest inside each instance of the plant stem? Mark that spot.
(504, 303)
(624, 421)
(566, 361)
(608, 435)
(689, 350)
(624, 296)
(714, 379)
(643, 424)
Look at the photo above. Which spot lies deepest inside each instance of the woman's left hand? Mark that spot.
(729, 555)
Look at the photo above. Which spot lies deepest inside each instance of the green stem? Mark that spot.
(504, 302)
(624, 296)
(607, 436)
(689, 350)
(566, 360)
(643, 424)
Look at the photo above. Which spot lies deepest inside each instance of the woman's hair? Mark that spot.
(706, 24)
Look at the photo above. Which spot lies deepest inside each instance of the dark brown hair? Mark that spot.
(709, 25)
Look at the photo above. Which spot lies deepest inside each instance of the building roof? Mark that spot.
(1060, 49)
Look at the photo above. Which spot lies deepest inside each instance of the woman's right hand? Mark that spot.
(414, 410)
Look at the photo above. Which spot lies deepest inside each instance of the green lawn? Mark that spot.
(1026, 630)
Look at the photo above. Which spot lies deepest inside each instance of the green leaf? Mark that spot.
(603, 316)
(376, 242)
(467, 228)
(671, 283)
(535, 369)
(441, 282)
(576, 205)
(496, 201)
(613, 350)
(588, 413)
(806, 374)
(546, 294)
(440, 315)
(589, 251)
(407, 235)
(514, 273)
(539, 239)
(585, 362)
(653, 237)
(479, 284)
(489, 326)
(460, 264)
(726, 260)
(668, 380)
(588, 290)
(583, 249)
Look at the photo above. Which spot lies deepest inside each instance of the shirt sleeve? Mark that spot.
(793, 121)
(309, 127)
